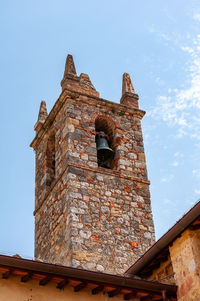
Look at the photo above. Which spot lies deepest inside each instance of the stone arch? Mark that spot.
(106, 124)
(104, 129)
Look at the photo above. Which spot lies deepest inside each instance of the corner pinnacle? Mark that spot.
(71, 81)
(129, 97)
(69, 66)
(127, 84)
(42, 115)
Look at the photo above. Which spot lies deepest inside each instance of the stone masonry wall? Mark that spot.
(164, 273)
(93, 228)
(92, 217)
(185, 257)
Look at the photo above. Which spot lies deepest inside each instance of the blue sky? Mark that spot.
(156, 42)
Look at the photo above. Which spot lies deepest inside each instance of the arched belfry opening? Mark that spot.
(104, 128)
(50, 160)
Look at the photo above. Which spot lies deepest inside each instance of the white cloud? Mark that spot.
(196, 172)
(178, 154)
(175, 163)
(196, 16)
(167, 178)
(167, 201)
(180, 108)
(197, 191)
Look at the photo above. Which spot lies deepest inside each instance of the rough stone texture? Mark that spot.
(127, 84)
(182, 266)
(41, 116)
(91, 217)
(80, 83)
(129, 97)
(164, 273)
(185, 259)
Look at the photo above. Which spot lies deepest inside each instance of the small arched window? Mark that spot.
(50, 160)
(104, 128)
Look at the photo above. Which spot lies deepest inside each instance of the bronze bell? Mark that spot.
(104, 152)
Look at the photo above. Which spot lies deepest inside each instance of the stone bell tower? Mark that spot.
(92, 200)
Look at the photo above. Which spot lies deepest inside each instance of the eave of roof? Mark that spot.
(62, 273)
(165, 240)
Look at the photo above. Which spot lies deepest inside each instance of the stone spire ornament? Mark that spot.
(127, 86)
(69, 66)
(42, 115)
(85, 82)
(70, 78)
(129, 97)
(71, 81)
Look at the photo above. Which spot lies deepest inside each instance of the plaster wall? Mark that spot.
(13, 289)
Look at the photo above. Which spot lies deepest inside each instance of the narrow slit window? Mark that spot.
(50, 160)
